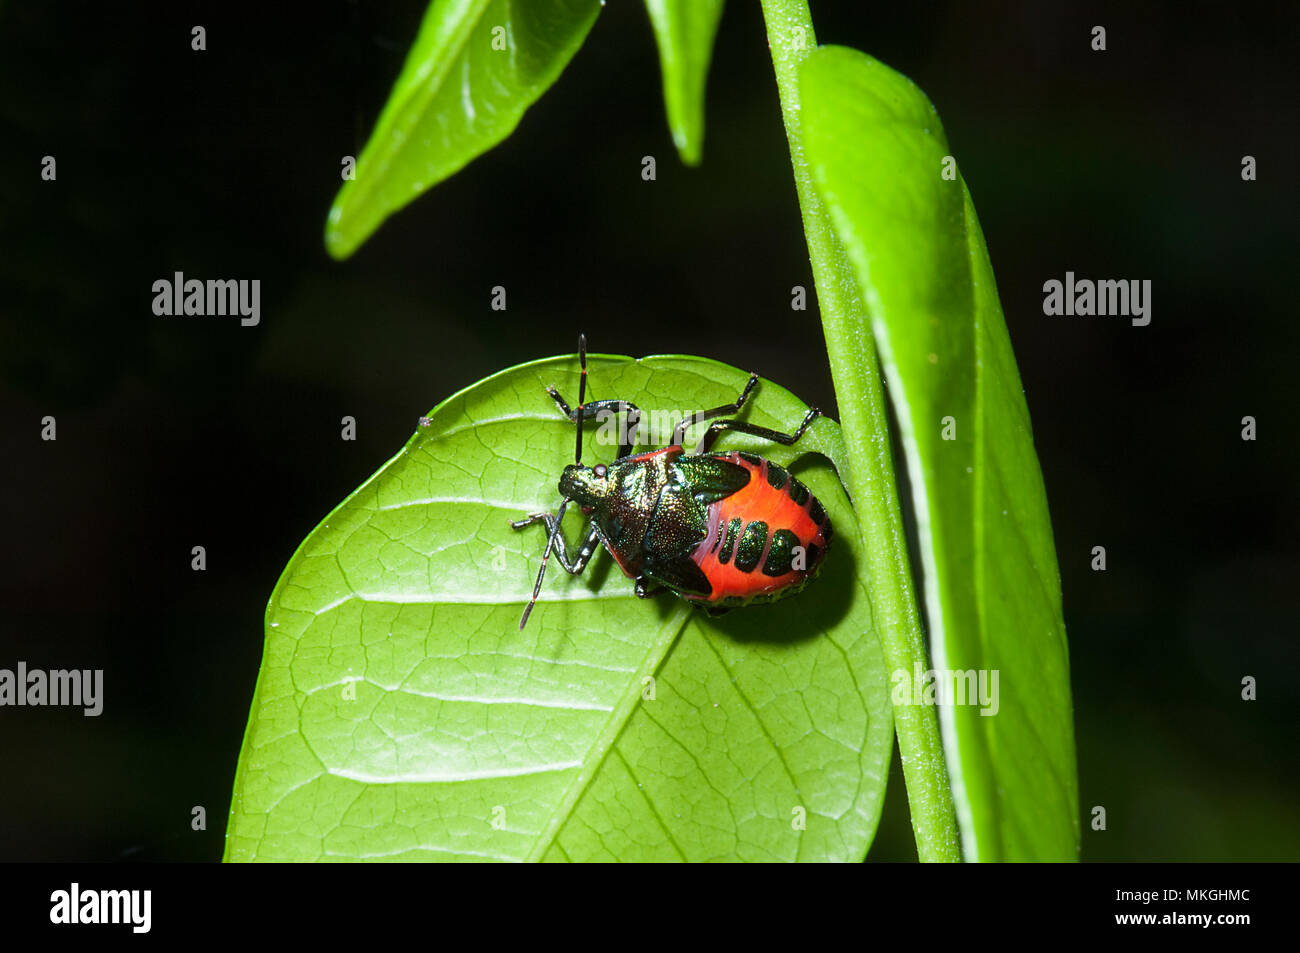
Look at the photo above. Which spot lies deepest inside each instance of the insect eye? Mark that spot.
(600, 470)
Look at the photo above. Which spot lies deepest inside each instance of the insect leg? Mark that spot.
(554, 537)
(679, 433)
(644, 589)
(588, 548)
(592, 411)
(740, 426)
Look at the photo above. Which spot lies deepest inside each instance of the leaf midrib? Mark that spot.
(614, 727)
(457, 43)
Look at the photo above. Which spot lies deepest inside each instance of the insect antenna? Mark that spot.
(582, 395)
(564, 502)
(541, 573)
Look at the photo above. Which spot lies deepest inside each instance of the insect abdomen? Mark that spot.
(765, 541)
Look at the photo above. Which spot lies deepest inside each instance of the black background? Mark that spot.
(196, 431)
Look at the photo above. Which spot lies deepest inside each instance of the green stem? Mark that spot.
(870, 479)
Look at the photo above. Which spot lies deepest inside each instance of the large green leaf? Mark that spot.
(401, 714)
(877, 151)
(684, 31)
(476, 66)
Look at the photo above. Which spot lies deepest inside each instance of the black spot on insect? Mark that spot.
(776, 475)
(781, 555)
(750, 548)
(798, 492)
(817, 512)
(733, 529)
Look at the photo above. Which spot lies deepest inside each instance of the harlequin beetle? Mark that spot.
(718, 529)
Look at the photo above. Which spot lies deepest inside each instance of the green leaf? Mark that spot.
(401, 714)
(685, 30)
(993, 595)
(475, 67)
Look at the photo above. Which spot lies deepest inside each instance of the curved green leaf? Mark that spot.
(475, 67)
(684, 31)
(993, 595)
(401, 714)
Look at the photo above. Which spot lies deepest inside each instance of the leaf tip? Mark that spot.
(690, 150)
(339, 243)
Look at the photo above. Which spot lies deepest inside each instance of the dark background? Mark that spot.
(176, 432)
